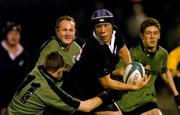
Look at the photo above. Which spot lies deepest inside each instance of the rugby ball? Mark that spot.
(133, 73)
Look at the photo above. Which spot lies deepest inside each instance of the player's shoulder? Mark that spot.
(49, 42)
(53, 40)
(52, 43)
(135, 47)
(162, 50)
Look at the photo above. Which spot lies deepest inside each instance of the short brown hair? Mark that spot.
(149, 22)
(53, 62)
(68, 18)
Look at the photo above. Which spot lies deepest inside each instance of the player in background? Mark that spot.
(63, 42)
(174, 65)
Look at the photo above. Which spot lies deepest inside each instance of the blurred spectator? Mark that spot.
(134, 21)
(172, 33)
(174, 65)
(13, 63)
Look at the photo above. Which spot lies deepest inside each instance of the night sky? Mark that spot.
(38, 17)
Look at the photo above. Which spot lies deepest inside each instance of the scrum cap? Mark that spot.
(102, 16)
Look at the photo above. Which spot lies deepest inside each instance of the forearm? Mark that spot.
(109, 83)
(90, 104)
(169, 81)
(117, 85)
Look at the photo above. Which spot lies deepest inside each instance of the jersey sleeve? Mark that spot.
(57, 98)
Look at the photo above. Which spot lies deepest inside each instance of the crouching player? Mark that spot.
(41, 91)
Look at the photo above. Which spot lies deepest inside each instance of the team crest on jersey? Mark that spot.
(21, 63)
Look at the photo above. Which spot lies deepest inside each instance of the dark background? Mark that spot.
(38, 17)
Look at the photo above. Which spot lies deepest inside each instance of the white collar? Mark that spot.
(111, 45)
(11, 55)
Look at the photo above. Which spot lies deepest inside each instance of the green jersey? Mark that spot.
(70, 55)
(38, 92)
(158, 62)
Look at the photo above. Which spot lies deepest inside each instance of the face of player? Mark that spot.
(104, 32)
(66, 32)
(13, 38)
(150, 37)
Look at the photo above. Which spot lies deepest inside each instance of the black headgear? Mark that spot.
(102, 16)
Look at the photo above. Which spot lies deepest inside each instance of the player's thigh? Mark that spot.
(108, 113)
(154, 111)
(108, 109)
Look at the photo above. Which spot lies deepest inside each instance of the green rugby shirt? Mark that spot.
(38, 92)
(54, 45)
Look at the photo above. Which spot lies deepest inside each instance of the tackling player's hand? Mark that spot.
(177, 100)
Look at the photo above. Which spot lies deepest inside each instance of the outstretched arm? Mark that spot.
(90, 104)
(109, 83)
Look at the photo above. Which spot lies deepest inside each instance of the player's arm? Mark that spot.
(59, 98)
(118, 72)
(169, 81)
(90, 104)
(125, 60)
(109, 83)
(125, 55)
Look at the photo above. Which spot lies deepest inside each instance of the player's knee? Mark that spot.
(109, 113)
(155, 111)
